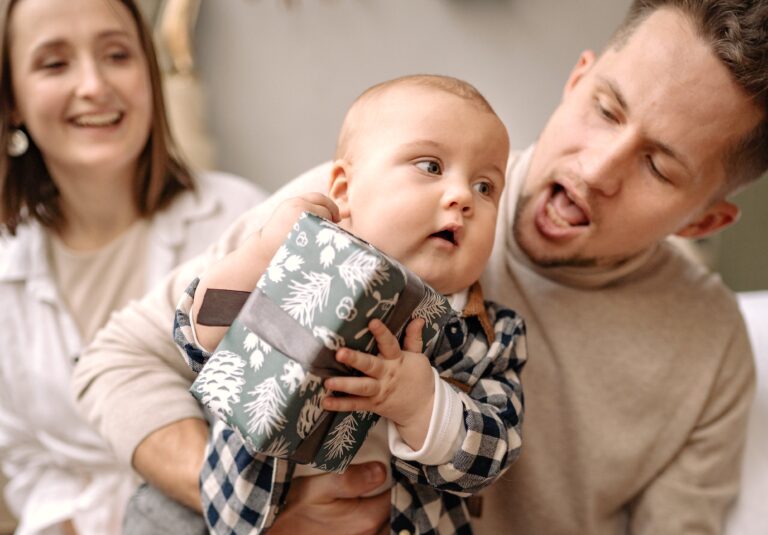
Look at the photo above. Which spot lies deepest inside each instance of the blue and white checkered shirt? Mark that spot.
(481, 352)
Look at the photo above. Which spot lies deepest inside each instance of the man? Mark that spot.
(640, 374)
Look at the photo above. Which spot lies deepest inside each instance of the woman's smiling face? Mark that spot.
(81, 84)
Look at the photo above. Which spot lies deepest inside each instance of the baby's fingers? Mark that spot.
(347, 404)
(354, 386)
(389, 347)
(362, 362)
(319, 204)
(413, 339)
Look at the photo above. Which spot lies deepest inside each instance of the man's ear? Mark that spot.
(338, 189)
(716, 217)
(584, 63)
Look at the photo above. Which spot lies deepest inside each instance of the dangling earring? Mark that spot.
(18, 143)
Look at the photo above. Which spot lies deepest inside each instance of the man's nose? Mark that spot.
(605, 164)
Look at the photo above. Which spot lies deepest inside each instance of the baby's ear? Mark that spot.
(338, 189)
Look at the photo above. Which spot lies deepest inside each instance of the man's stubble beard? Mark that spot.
(543, 261)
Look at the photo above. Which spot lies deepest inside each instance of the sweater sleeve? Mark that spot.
(693, 492)
(492, 412)
(131, 381)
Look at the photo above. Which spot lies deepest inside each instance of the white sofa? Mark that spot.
(750, 514)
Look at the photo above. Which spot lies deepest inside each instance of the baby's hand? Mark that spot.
(398, 383)
(241, 269)
(274, 231)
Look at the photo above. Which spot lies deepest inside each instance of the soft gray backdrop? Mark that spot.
(279, 74)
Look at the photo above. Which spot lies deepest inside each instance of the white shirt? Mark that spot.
(58, 467)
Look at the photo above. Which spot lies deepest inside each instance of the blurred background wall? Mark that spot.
(273, 78)
(277, 76)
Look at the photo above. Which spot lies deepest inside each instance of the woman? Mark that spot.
(95, 206)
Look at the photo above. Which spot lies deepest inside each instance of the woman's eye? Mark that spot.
(484, 188)
(53, 64)
(430, 166)
(118, 55)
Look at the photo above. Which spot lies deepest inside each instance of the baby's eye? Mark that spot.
(483, 188)
(430, 166)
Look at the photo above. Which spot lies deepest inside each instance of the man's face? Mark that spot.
(422, 182)
(635, 150)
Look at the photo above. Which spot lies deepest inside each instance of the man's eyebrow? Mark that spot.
(660, 145)
(617, 94)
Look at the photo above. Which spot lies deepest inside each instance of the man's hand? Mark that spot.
(331, 503)
(398, 383)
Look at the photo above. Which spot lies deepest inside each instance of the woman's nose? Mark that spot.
(91, 82)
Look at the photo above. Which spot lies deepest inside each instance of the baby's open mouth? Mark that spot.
(447, 235)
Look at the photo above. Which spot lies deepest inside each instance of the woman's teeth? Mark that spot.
(98, 119)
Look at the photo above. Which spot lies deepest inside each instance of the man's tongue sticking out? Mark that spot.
(564, 211)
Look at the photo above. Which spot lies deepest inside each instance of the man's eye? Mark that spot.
(483, 188)
(430, 166)
(606, 113)
(655, 170)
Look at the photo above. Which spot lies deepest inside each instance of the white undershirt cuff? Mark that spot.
(446, 429)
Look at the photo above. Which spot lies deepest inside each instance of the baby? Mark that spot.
(419, 168)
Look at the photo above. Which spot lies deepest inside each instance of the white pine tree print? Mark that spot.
(330, 235)
(307, 297)
(342, 438)
(311, 382)
(266, 409)
(343, 464)
(251, 341)
(333, 240)
(293, 375)
(330, 339)
(309, 414)
(282, 262)
(260, 350)
(430, 307)
(327, 254)
(277, 448)
(364, 269)
(221, 381)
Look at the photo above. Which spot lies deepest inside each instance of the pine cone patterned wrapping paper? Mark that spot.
(320, 291)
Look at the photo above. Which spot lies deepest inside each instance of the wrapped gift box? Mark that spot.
(318, 294)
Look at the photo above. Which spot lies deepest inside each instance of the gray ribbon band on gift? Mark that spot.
(277, 328)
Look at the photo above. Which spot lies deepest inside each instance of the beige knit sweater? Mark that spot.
(637, 387)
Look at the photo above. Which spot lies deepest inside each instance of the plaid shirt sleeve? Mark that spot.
(493, 408)
(194, 355)
(241, 491)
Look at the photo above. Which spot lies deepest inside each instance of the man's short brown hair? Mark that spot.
(737, 32)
